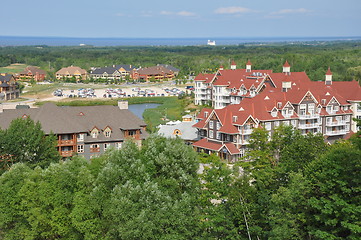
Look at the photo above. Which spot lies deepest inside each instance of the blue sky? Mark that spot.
(184, 18)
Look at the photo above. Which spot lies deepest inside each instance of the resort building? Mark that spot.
(288, 98)
(9, 88)
(115, 72)
(85, 131)
(72, 72)
(32, 73)
(156, 73)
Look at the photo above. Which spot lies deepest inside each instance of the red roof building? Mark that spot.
(287, 98)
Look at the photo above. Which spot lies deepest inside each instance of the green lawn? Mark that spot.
(13, 68)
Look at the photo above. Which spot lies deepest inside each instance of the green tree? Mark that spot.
(334, 202)
(24, 141)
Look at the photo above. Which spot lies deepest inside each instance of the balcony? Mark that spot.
(70, 142)
(336, 132)
(245, 142)
(308, 126)
(66, 153)
(308, 116)
(93, 150)
(247, 131)
(336, 123)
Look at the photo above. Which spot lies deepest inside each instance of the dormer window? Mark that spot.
(107, 132)
(205, 114)
(279, 105)
(94, 133)
(235, 118)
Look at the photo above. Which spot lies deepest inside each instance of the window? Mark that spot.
(218, 125)
(210, 134)
(329, 108)
(205, 114)
(277, 123)
(235, 118)
(294, 123)
(211, 124)
(80, 148)
(336, 108)
(303, 106)
(80, 137)
(107, 132)
(119, 145)
(311, 108)
(274, 113)
(106, 146)
(218, 136)
(268, 126)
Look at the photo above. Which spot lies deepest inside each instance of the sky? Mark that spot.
(181, 18)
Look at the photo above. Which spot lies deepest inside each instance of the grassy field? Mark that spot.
(13, 68)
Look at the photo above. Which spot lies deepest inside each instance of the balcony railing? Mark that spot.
(308, 116)
(67, 142)
(336, 132)
(247, 131)
(66, 153)
(308, 126)
(93, 150)
(337, 123)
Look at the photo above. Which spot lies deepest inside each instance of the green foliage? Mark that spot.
(335, 203)
(314, 58)
(301, 190)
(24, 141)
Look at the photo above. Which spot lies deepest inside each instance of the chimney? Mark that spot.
(248, 66)
(221, 68)
(328, 79)
(233, 65)
(286, 68)
(123, 104)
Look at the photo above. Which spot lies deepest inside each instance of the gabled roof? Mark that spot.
(155, 70)
(107, 70)
(71, 70)
(216, 146)
(64, 120)
(169, 67)
(207, 78)
(33, 70)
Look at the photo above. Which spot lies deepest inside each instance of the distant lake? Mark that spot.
(68, 41)
(138, 109)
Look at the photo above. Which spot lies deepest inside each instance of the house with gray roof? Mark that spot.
(87, 131)
(170, 67)
(182, 129)
(114, 72)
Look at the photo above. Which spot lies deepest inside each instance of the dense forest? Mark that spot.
(343, 57)
(295, 187)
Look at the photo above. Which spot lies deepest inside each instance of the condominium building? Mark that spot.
(86, 131)
(288, 98)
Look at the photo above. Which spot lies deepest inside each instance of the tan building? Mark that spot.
(9, 88)
(70, 72)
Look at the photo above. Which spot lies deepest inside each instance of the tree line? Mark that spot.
(343, 57)
(292, 186)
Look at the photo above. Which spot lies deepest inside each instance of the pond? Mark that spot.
(138, 109)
